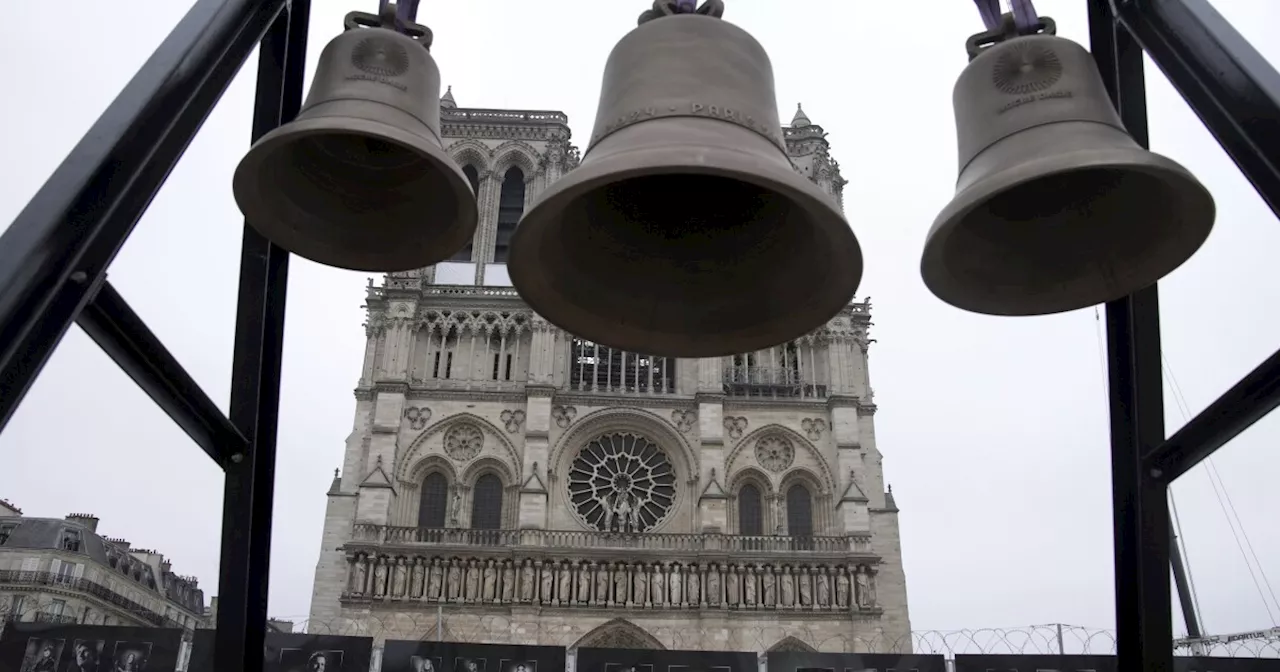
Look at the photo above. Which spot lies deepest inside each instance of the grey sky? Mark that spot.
(994, 430)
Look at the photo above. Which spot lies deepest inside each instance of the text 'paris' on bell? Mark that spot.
(1056, 207)
(360, 179)
(686, 231)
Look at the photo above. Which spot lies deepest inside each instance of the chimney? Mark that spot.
(119, 542)
(7, 509)
(88, 520)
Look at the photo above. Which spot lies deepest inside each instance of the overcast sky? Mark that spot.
(994, 431)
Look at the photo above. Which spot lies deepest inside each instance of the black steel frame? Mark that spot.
(54, 260)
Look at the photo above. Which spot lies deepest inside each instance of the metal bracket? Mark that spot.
(1008, 30)
(387, 20)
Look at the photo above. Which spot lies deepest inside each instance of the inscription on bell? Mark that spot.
(690, 109)
(1023, 100)
(380, 80)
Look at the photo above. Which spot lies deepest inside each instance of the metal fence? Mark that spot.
(1048, 639)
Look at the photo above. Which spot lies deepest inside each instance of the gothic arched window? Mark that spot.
(435, 499)
(750, 511)
(510, 208)
(486, 503)
(799, 511)
(474, 178)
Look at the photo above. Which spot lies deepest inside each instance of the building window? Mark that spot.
(17, 607)
(474, 178)
(435, 500)
(6, 529)
(799, 511)
(486, 503)
(57, 607)
(510, 208)
(750, 511)
(70, 541)
(87, 613)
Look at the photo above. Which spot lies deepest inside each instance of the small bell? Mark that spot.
(1056, 206)
(686, 231)
(360, 179)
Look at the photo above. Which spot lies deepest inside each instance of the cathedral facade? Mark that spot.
(508, 482)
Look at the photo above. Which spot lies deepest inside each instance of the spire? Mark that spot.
(801, 119)
(447, 99)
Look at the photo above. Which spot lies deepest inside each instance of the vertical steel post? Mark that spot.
(1183, 584)
(255, 385)
(1144, 613)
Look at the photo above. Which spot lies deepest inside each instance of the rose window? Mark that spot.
(622, 482)
(774, 453)
(463, 442)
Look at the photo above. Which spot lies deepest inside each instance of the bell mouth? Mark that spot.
(680, 264)
(1068, 239)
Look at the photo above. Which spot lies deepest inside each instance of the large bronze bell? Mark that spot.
(360, 180)
(1056, 207)
(686, 231)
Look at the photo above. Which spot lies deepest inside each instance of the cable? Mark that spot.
(1219, 491)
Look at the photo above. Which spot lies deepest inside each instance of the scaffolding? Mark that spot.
(54, 260)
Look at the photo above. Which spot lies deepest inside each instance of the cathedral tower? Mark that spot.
(533, 487)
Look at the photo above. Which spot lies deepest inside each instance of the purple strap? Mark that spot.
(990, 11)
(1024, 14)
(406, 12)
(686, 6)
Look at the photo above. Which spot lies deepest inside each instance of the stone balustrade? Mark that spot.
(664, 544)
(396, 579)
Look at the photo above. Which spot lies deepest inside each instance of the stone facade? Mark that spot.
(531, 487)
(61, 571)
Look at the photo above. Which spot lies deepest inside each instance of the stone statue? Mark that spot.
(622, 510)
(454, 581)
(788, 588)
(473, 581)
(863, 584)
(713, 585)
(602, 584)
(733, 586)
(456, 508)
(694, 590)
(359, 575)
(433, 580)
(641, 583)
(526, 581)
(548, 585)
(677, 582)
(380, 578)
(621, 583)
(417, 576)
(508, 582)
(824, 588)
(659, 586)
(565, 590)
(749, 585)
(635, 519)
(806, 587)
(398, 579)
(842, 588)
(584, 581)
(769, 583)
(608, 517)
(490, 581)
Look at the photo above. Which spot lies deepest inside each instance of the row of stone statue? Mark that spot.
(665, 585)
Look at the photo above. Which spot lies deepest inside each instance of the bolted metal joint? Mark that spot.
(387, 19)
(663, 8)
(1007, 30)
